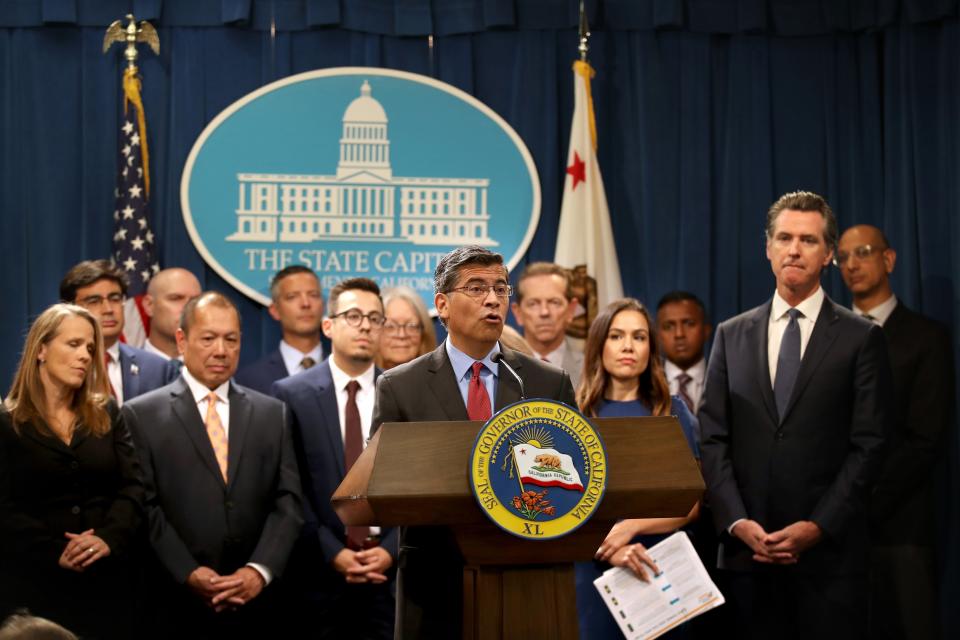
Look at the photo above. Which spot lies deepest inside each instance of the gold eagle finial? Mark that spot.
(131, 34)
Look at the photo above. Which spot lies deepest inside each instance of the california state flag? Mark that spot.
(546, 467)
(585, 239)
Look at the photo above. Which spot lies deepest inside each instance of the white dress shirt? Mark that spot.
(880, 313)
(149, 348)
(366, 395)
(779, 319)
(201, 393)
(697, 374)
(115, 372)
(292, 357)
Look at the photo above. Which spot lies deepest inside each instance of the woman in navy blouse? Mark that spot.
(623, 377)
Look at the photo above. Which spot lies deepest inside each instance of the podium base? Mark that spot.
(507, 602)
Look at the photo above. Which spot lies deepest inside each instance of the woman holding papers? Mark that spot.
(623, 377)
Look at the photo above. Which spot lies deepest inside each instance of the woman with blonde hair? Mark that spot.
(623, 377)
(408, 332)
(70, 496)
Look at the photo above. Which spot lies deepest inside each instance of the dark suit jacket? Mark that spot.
(318, 440)
(261, 375)
(819, 460)
(142, 371)
(430, 579)
(903, 506)
(47, 488)
(196, 519)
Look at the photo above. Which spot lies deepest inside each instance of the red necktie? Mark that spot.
(682, 381)
(352, 448)
(478, 401)
(107, 359)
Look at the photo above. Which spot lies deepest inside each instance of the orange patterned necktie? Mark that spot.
(216, 433)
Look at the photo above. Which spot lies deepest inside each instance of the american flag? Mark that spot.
(134, 249)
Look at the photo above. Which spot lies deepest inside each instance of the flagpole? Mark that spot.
(584, 33)
(134, 248)
(517, 467)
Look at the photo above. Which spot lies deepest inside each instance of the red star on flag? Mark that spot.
(577, 170)
(523, 451)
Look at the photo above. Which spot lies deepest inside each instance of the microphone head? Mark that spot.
(497, 357)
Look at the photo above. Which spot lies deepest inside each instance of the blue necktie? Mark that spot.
(788, 362)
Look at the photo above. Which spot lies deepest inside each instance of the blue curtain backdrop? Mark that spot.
(707, 110)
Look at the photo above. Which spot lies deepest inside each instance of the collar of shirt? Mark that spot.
(696, 372)
(341, 378)
(200, 391)
(810, 307)
(292, 357)
(149, 348)
(881, 312)
(115, 373)
(556, 356)
(462, 362)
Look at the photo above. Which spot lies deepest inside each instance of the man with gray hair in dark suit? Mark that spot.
(460, 380)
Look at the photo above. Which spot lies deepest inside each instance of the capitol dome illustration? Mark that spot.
(363, 200)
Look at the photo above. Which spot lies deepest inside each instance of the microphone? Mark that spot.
(499, 359)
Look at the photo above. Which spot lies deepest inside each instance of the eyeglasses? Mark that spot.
(354, 318)
(480, 290)
(862, 252)
(412, 328)
(97, 301)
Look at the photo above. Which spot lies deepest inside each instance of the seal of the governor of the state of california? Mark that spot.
(538, 469)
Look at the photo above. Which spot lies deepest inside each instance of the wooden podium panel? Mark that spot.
(417, 474)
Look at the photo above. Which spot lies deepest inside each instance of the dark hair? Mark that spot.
(212, 298)
(545, 269)
(86, 273)
(805, 201)
(448, 269)
(654, 390)
(682, 296)
(351, 284)
(289, 271)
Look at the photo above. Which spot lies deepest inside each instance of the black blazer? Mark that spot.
(261, 375)
(818, 461)
(47, 488)
(196, 519)
(903, 505)
(318, 440)
(430, 579)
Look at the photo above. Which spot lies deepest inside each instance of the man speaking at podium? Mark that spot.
(462, 379)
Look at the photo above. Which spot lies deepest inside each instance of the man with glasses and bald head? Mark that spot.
(903, 581)
(459, 380)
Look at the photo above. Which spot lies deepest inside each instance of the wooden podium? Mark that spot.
(416, 473)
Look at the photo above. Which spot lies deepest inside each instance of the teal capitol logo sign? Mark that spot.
(356, 171)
